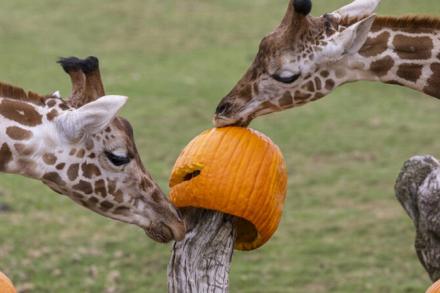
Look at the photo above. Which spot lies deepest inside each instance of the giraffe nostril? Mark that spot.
(223, 108)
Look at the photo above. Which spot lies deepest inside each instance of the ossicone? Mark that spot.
(303, 7)
(87, 65)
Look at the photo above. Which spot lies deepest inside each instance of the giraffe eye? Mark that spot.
(286, 77)
(116, 159)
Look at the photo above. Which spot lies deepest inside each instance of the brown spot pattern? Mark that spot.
(60, 166)
(100, 188)
(72, 172)
(18, 133)
(77, 195)
(413, 47)
(93, 200)
(410, 72)
(106, 205)
(63, 106)
(329, 84)
(300, 96)
(81, 153)
(121, 211)
(111, 186)
(375, 46)
(310, 86)
(268, 105)
(20, 112)
(90, 170)
(19, 147)
(317, 96)
(54, 178)
(84, 186)
(51, 103)
(286, 99)
(318, 83)
(118, 196)
(52, 114)
(382, 66)
(49, 158)
(433, 86)
(23, 150)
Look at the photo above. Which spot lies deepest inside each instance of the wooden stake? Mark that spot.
(201, 262)
(418, 190)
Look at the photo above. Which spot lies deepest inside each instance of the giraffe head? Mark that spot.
(298, 62)
(84, 150)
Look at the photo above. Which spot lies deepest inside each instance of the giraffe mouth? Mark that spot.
(160, 233)
(222, 121)
(164, 233)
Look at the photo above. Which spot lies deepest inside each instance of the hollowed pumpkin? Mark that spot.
(6, 284)
(237, 171)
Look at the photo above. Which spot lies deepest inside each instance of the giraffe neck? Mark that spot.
(26, 136)
(402, 51)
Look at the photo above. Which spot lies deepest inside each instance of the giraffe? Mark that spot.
(306, 57)
(82, 149)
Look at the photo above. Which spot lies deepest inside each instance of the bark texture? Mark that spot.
(201, 262)
(418, 190)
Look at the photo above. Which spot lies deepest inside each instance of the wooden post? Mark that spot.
(202, 260)
(418, 190)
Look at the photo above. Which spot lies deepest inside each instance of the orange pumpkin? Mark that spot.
(237, 171)
(6, 284)
(435, 288)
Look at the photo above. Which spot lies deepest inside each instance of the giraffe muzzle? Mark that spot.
(222, 121)
(164, 233)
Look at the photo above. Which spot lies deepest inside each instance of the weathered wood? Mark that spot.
(418, 190)
(202, 260)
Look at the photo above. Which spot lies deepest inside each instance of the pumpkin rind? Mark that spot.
(6, 285)
(237, 171)
(435, 288)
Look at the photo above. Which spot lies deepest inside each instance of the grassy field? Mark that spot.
(342, 231)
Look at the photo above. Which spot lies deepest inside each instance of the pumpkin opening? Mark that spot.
(185, 173)
(246, 231)
(189, 176)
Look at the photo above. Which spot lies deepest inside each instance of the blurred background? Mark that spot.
(342, 231)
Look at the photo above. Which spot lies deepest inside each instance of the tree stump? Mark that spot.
(418, 190)
(201, 261)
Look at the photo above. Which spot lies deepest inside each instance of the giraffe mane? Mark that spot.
(405, 21)
(17, 93)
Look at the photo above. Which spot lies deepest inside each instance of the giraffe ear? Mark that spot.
(90, 118)
(358, 8)
(350, 40)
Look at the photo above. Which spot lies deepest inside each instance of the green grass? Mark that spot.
(342, 231)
